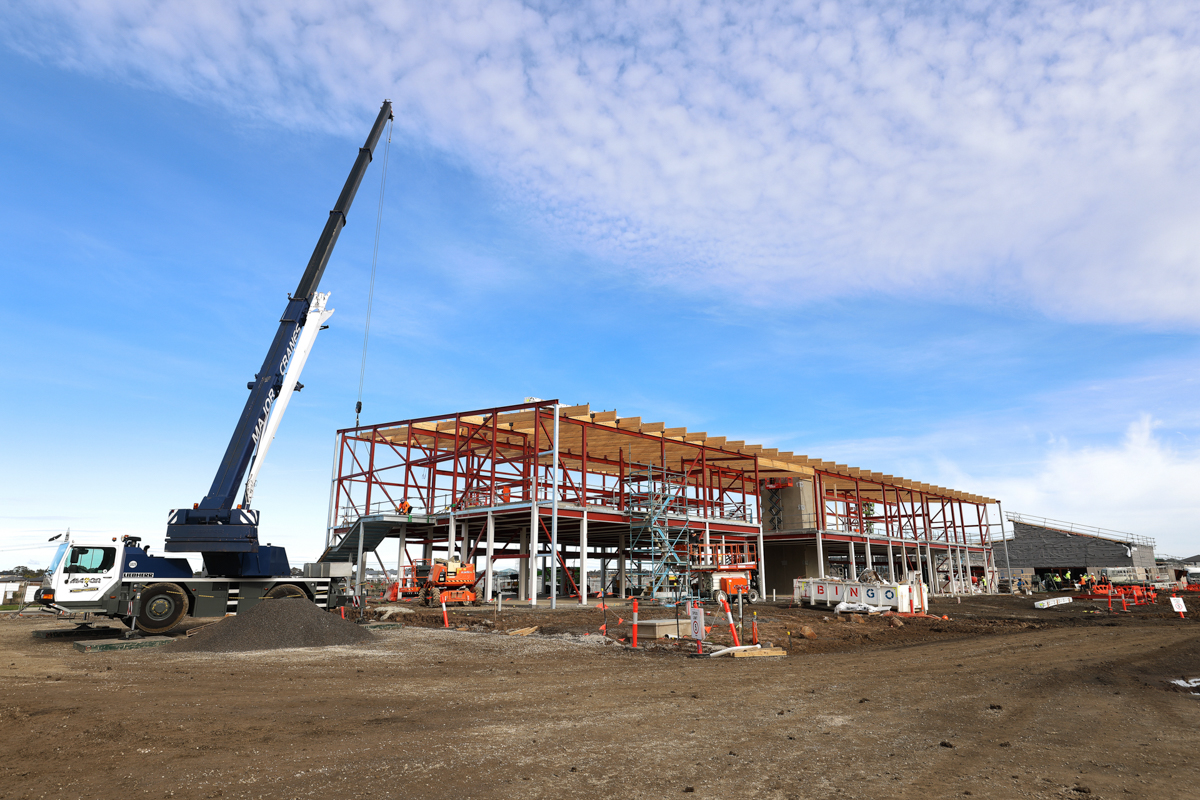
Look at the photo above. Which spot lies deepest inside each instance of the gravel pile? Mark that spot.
(272, 625)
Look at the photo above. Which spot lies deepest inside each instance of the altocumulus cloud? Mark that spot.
(1039, 154)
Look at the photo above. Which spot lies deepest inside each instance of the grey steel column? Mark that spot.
(820, 556)
(533, 545)
(488, 580)
(583, 553)
(1004, 538)
(621, 577)
(362, 567)
(523, 567)
(554, 514)
(762, 570)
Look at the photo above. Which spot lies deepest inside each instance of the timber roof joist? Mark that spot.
(609, 436)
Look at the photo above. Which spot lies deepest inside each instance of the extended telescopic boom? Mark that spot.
(214, 525)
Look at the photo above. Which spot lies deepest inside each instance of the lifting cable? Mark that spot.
(362, 370)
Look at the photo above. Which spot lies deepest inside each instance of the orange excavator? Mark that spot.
(440, 581)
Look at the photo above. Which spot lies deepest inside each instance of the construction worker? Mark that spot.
(1058, 581)
(1068, 578)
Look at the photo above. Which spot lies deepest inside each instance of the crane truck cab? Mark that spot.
(95, 577)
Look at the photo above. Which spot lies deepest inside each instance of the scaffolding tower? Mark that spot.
(653, 496)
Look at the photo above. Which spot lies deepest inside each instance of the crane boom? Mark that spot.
(228, 536)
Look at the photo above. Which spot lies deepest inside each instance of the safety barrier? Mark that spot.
(902, 597)
(1124, 593)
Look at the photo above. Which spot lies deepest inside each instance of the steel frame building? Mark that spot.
(544, 481)
(896, 526)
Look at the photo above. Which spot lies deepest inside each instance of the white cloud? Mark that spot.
(1142, 485)
(1121, 453)
(1041, 153)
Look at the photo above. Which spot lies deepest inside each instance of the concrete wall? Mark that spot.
(1045, 548)
(785, 561)
(1143, 558)
(798, 504)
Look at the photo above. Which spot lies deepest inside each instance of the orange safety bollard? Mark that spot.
(635, 622)
(445, 616)
(732, 629)
(754, 628)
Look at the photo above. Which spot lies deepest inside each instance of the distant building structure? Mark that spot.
(12, 589)
(1048, 547)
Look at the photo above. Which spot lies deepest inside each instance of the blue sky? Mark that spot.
(960, 248)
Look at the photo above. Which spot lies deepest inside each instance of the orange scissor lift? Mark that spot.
(722, 570)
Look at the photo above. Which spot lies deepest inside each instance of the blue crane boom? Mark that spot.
(226, 536)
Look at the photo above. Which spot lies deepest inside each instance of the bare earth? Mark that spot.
(1000, 701)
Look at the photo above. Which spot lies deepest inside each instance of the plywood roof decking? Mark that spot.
(607, 433)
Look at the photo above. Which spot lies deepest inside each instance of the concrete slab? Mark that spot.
(102, 645)
(657, 628)
(383, 626)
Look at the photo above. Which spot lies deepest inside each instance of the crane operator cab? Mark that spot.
(87, 576)
(80, 574)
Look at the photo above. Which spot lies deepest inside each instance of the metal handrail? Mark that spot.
(1072, 527)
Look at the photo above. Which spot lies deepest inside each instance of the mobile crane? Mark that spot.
(154, 593)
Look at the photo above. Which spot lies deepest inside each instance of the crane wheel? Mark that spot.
(430, 596)
(163, 606)
(752, 596)
(284, 591)
(720, 597)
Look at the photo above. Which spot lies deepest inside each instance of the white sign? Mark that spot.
(1177, 605)
(1053, 601)
(31, 592)
(697, 616)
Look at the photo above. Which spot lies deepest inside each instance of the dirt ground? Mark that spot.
(999, 701)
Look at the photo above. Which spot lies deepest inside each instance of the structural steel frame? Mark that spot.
(951, 532)
(534, 469)
(538, 473)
